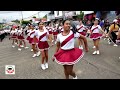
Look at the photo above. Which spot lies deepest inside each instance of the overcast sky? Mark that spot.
(13, 15)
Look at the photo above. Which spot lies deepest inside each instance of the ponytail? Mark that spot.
(74, 29)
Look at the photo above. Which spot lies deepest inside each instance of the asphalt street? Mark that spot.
(103, 66)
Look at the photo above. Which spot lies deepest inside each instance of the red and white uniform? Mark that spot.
(33, 39)
(68, 54)
(42, 37)
(47, 27)
(55, 31)
(50, 30)
(13, 34)
(28, 35)
(81, 29)
(20, 34)
(60, 28)
(96, 32)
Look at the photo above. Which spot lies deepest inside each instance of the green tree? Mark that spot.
(34, 16)
(16, 21)
(25, 22)
(45, 16)
(81, 16)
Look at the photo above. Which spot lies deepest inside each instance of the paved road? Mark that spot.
(103, 66)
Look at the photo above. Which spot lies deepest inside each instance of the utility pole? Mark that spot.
(22, 18)
(22, 15)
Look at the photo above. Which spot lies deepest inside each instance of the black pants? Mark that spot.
(107, 29)
(2, 36)
(113, 37)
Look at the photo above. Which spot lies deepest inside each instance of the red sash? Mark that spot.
(32, 33)
(94, 29)
(21, 34)
(67, 39)
(42, 36)
(80, 27)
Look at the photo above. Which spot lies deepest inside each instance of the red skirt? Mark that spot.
(43, 45)
(33, 40)
(68, 57)
(95, 36)
(55, 33)
(50, 32)
(14, 36)
(83, 33)
(28, 38)
(21, 37)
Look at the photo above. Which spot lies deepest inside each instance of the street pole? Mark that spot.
(22, 18)
(22, 15)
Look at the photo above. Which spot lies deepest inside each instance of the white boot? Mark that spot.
(104, 38)
(21, 46)
(38, 53)
(94, 47)
(98, 52)
(55, 42)
(95, 52)
(115, 45)
(81, 47)
(46, 65)
(26, 47)
(19, 49)
(34, 55)
(75, 77)
(31, 50)
(13, 46)
(43, 66)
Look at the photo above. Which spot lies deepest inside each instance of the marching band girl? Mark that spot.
(95, 35)
(66, 54)
(51, 32)
(43, 35)
(13, 36)
(55, 33)
(60, 28)
(81, 29)
(33, 41)
(28, 35)
(21, 38)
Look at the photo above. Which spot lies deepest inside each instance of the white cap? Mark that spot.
(115, 20)
(97, 19)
